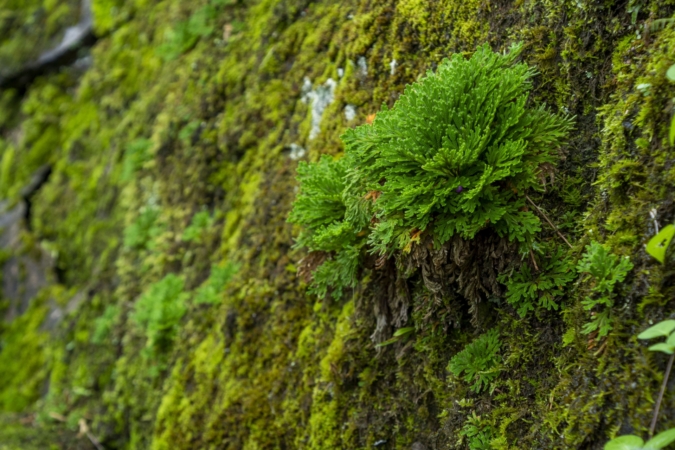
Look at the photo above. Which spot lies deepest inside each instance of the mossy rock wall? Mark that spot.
(203, 106)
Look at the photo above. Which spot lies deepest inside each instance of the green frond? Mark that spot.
(603, 270)
(528, 290)
(159, 310)
(477, 362)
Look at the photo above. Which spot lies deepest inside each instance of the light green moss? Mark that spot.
(24, 359)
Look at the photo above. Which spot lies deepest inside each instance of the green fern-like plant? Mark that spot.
(477, 433)
(141, 233)
(527, 290)
(456, 154)
(184, 35)
(103, 325)
(478, 361)
(200, 222)
(603, 270)
(136, 154)
(159, 310)
(210, 292)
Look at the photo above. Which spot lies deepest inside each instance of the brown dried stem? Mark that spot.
(547, 220)
(652, 427)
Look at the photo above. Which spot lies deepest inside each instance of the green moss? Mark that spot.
(325, 420)
(28, 28)
(268, 366)
(24, 359)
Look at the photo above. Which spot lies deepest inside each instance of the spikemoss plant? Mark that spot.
(210, 292)
(136, 154)
(602, 270)
(141, 233)
(456, 154)
(184, 35)
(528, 289)
(159, 311)
(103, 324)
(478, 361)
(477, 434)
(200, 222)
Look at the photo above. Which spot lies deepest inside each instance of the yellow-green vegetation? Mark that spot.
(174, 156)
(29, 27)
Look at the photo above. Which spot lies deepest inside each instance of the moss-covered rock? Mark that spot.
(206, 107)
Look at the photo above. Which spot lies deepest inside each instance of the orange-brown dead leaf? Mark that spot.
(415, 237)
(373, 195)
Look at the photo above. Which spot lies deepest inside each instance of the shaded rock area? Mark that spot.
(26, 268)
(68, 51)
(25, 272)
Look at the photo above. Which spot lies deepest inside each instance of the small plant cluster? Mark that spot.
(477, 434)
(141, 234)
(210, 291)
(103, 325)
(477, 363)
(457, 153)
(136, 154)
(200, 222)
(603, 270)
(159, 310)
(184, 35)
(527, 289)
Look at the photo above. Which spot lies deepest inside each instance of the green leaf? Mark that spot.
(670, 73)
(403, 331)
(658, 244)
(672, 131)
(397, 335)
(662, 347)
(629, 442)
(663, 328)
(387, 342)
(661, 440)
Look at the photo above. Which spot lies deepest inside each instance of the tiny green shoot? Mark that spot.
(398, 334)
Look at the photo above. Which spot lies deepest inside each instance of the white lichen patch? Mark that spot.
(297, 152)
(319, 99)
(392, 66)
(362, 65)
(350, 112)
